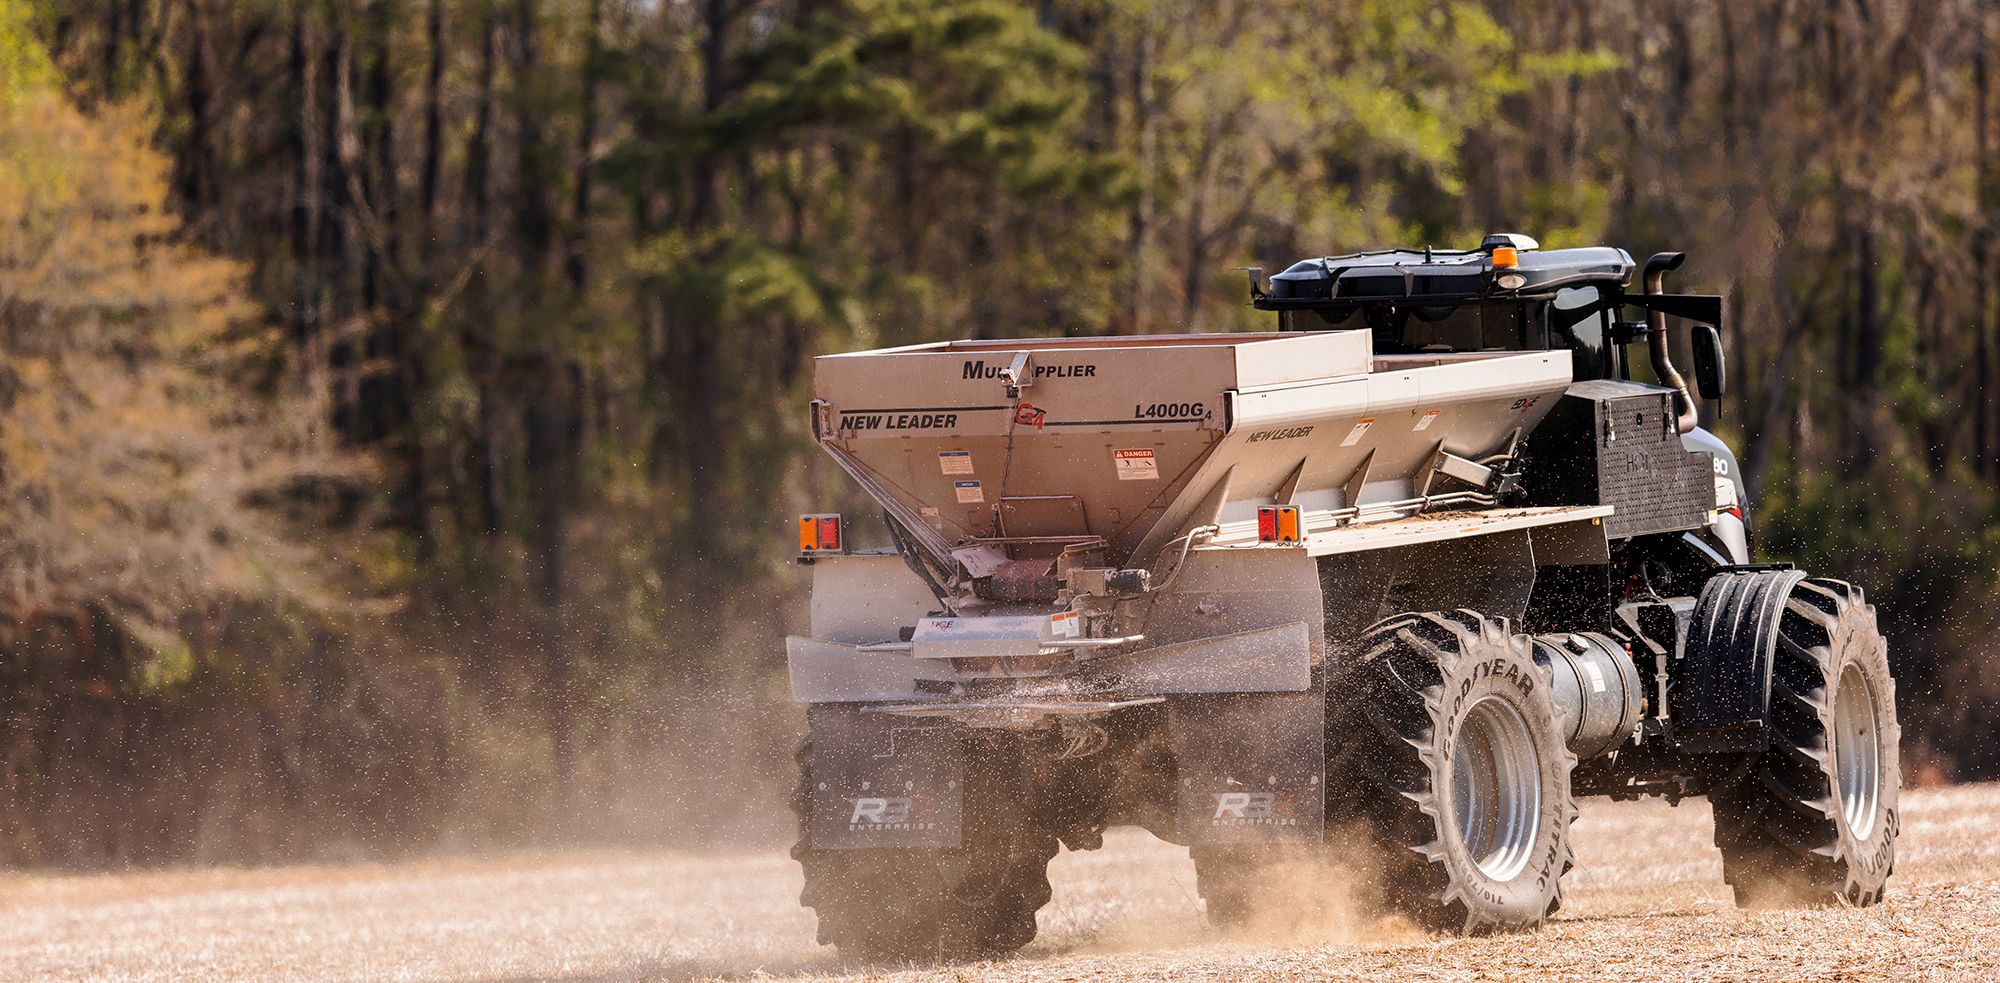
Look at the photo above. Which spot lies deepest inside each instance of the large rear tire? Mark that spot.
(899, 905)
(1812, 819)
(1449, 750)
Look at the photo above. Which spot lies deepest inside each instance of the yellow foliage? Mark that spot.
(129, 447)
(24, 66)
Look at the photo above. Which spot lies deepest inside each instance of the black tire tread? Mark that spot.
(1776, 812)
(1377, 725)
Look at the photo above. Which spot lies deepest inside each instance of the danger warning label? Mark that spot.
(1136, 464)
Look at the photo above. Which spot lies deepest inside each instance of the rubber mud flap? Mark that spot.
(1724, 681)
(899, 904)
(883, 780)
(1251, 766)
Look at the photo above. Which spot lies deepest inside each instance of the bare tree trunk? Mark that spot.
(1867, 313)
(194, 183)
(586, 164)
(547, 413)
(114, 31)
(347, 154)
(433, 119)
(535, 178)
(312, 131)
(716, 15)
(305, 192)
(1764, 446)
(1144, 112)
(479, 154)
(902, 148)
(377, 165)
(492, 499)
(1770, 423)
(549, 454)
(1194, 237)
(1985, 399)
(478, 194)
(691, 368)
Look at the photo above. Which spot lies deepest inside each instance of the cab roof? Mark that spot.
(1442, 276)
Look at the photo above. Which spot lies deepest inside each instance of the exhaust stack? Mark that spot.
(1657, 269)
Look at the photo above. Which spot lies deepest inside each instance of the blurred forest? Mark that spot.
(402, 402)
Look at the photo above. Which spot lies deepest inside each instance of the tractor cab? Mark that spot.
(1507, 295)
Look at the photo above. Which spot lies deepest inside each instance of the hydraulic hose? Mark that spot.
(1656, 341)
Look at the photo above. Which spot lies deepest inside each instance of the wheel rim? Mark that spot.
(1857, 756)
(1496, 788)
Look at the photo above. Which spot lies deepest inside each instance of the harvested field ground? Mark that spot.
(1646, 902)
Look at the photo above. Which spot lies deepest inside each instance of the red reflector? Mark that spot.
(1278, 524)
(819, 534)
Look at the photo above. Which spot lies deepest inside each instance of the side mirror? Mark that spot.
(1708, 364)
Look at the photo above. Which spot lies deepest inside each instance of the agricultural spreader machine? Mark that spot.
(1388, 587)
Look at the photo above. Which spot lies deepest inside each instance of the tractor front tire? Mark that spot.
(906, 905)
(1447, 747)
(1812, 819)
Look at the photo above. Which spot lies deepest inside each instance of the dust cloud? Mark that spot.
(1139, 893)
(1646, 901)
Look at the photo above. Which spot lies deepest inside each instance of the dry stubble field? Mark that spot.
(1646, 902)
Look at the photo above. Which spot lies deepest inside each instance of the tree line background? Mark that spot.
(402, 402)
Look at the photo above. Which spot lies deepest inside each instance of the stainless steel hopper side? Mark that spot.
(1364, 449)
(1082, 438)
(1032, 445)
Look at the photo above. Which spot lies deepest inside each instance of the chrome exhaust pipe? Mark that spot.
(1656, 340)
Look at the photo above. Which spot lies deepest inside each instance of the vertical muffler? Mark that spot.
(1657, 269)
